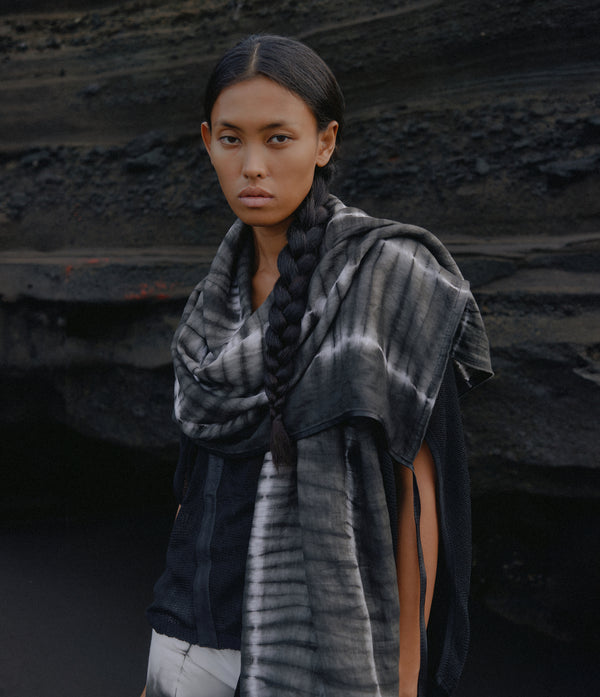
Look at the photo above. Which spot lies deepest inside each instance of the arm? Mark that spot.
(407, 562)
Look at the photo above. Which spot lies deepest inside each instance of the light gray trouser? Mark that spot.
(179, 669)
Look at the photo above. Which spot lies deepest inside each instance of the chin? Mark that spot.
(259, 219)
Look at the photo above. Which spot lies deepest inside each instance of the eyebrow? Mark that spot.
(267, 127)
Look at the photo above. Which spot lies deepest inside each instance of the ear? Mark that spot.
(326, 144)
(206, 136)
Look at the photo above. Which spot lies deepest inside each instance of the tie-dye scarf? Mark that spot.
(387, 309)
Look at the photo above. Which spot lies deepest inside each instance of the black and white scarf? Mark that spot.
(387, 309)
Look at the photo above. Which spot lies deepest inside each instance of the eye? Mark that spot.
(279, 139)
(229, 140)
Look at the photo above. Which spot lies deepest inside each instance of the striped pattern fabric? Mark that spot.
(321, 602)
(387, 309)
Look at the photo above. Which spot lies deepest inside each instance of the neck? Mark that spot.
(266, 249)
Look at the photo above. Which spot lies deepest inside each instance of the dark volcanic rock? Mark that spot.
(35, 159)
(155, 159)
(91, 90)
(568, 170)
(145, 143)
(476, 120)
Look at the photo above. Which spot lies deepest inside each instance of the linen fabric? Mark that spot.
(386, 301)
(179, 669)
(198, 598)
(387, 310)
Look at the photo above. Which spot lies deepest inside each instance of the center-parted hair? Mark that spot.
(299, 69)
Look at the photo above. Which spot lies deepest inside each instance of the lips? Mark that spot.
(254, 197)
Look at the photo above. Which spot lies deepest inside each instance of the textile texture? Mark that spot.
(179, 669)
(387, 310)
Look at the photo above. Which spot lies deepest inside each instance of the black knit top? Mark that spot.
(198, 598)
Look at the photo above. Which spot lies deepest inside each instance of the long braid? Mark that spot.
(297, 68)
(296, 263)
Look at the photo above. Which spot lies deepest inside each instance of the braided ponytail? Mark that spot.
(296, 263)
(300, 70)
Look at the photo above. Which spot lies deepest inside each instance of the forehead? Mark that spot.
(257, 101)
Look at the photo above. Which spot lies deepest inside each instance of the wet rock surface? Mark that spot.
(478, 121)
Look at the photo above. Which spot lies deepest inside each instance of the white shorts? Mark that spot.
(179, 669)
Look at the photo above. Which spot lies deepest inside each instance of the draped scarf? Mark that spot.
(387, 310)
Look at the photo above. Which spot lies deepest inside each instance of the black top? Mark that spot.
(198, 598)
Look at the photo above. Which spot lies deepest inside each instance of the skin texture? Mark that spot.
(407, 561)
(264, 144)
(264, 140)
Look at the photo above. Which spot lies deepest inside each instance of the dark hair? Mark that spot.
(299, 69)
(292, 65)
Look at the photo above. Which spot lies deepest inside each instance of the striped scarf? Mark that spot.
(387, 309)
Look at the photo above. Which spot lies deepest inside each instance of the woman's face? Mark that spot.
(264, 145)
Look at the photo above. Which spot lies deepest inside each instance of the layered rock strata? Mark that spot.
(478, 120)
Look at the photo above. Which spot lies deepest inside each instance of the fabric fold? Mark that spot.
(387, 305)
(387, 311)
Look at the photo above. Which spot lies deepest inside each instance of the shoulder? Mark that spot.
(357, 233)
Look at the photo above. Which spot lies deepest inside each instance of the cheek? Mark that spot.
(226, 172)
(302, 169)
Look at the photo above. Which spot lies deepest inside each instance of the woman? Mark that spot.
(322, 484)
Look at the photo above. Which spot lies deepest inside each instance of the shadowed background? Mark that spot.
(477, 120)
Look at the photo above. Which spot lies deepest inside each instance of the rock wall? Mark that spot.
(478, 120)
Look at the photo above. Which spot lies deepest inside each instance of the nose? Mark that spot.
(254, 166)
